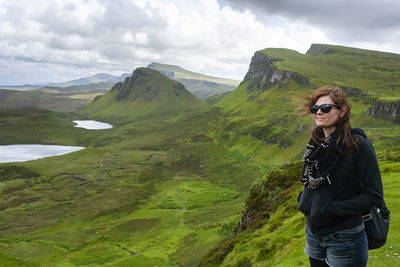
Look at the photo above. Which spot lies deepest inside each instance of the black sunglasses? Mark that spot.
(325, 108)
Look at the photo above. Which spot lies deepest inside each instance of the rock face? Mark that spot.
(146, 93)
(137, 86)
(351, 91)
(385, 110)
(263, 75)
(265, 198)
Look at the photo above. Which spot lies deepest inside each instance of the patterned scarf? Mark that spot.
(319, 161)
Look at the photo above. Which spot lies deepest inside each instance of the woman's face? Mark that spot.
(326, 121)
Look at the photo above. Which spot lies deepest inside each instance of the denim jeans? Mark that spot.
(338, 249)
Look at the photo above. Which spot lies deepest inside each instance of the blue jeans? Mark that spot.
(338, 249)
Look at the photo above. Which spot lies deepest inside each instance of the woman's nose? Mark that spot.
(319, 111)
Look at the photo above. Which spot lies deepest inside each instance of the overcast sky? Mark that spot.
(60, 40)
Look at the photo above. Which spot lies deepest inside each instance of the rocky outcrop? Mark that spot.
(351, 91)
(263, 74)
(385, 110)
(266, 196)
(137, 86)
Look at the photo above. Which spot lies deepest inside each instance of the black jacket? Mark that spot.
(356, 186)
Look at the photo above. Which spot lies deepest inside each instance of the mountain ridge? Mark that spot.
(96, 78)
(200, 85)
(145, 93)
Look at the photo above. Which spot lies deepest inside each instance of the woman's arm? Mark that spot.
(370, 180)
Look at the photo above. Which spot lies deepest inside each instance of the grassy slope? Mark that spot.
(145, 193)
(271, 117)
(150, 94)
(181, 73)
(376, 73)
(281, 239)
(198, 84)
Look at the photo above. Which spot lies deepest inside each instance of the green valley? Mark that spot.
(181, 181)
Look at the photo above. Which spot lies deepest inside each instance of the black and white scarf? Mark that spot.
(319, 161)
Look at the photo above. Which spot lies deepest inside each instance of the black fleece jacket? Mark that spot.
(356, 186)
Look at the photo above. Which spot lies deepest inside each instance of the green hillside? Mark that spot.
(178, 72)
(264, 108)
(375, 73)
(200, 85)
(275, 235)
(144, 193)
(172, 180)
(144, 94)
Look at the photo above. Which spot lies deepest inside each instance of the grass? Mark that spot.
(180, 73)
(147, 93)
(371, 71)
(49, 99)
(140, 194)
(281, 239)
(165, 190)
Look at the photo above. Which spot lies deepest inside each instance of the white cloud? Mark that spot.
(74, 38)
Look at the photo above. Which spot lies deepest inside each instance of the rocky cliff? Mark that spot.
(263, 74)
(385, 110)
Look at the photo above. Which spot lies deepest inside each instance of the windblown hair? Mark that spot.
(345, 139)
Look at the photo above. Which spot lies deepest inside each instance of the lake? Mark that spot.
(92, 125)
(19, 153)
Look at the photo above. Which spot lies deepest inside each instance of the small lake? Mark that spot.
(20, 153)
(92, 125)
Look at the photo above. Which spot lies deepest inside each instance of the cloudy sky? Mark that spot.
(60, 40)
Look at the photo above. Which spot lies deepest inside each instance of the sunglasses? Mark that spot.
(325, 108)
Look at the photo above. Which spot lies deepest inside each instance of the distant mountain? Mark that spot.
(198, 84)
(145, 93)
(93, 79)
(97, 78)
(91, 88)
(25, 87)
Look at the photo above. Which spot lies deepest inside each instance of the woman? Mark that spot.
(341, 179)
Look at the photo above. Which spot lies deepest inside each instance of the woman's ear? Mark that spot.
(343, 111)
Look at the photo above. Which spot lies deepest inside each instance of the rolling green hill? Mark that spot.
(200, 85)
(144, 94)
(172, 180)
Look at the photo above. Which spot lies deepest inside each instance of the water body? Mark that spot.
(92, 125)
(19, 153)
